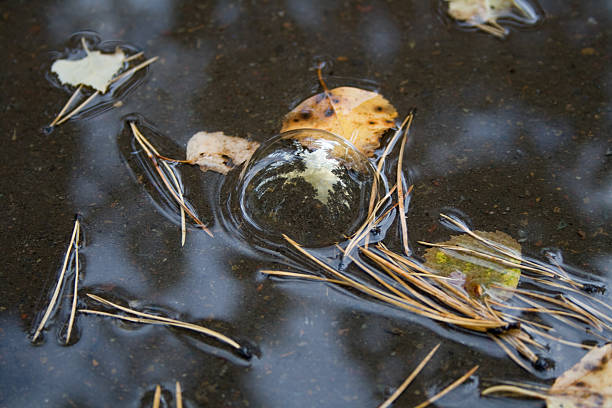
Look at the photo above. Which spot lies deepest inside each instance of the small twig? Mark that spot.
(78, 108)
(58, 286)
(67, 105)
(448, 389)
(76, 283)
(408, 380)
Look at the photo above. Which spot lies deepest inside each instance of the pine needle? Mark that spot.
(66, 106)
(513, 390)
(78, 108)
(302, 276)
(58, 286)
(179, 395)
(409, 379)
(175, 191)
(76, 283)
(149, 318)
(448, 389)
(133, 70)
(157, 397)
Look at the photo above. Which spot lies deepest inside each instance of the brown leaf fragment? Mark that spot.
(588, 384)
(217, 152)
(357, 115)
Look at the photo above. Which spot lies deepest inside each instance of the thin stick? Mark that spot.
(133, 57)
(179, 395)
(513, 390)
(157, 397)
(133, 70)
(67, 105)
(58, 286)
(448, 389)
(171, 322)
(76, 282)
(408, 380)
(78, 108)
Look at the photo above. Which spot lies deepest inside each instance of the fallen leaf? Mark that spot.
(95, 70)
(485, 13)
(476, 274)
(357, 115)
(588, 384)
(217, 152)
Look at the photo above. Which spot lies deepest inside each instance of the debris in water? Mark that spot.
(97, 71)
(484, 14)
(217, 152)
(357, 115)
(587, 384)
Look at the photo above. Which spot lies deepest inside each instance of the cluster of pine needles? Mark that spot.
(402, 281)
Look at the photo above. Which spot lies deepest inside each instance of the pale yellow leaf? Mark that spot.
(217, 152)
(95, 70)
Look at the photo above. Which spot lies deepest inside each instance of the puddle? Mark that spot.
(510, 135)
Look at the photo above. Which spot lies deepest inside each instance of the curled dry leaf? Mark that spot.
(359, 116)
(588, 384)
(217, 152)
(476, 273)
(95, 70)
(485, 13)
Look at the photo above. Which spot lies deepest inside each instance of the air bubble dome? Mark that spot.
(308, 184)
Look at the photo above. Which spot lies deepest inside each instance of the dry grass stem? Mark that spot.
(67, 105)
(162, 320)
(448, 389)
(408, 380)
(76, 283)
(58, 286)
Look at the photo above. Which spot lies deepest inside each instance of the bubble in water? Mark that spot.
(309, 184)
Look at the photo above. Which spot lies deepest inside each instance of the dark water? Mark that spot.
(514, 134)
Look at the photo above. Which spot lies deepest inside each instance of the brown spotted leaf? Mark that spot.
(357, 115)
(588, 384)
(217, 152)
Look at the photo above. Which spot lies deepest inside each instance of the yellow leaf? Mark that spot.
(357, 115)
(217, 152)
